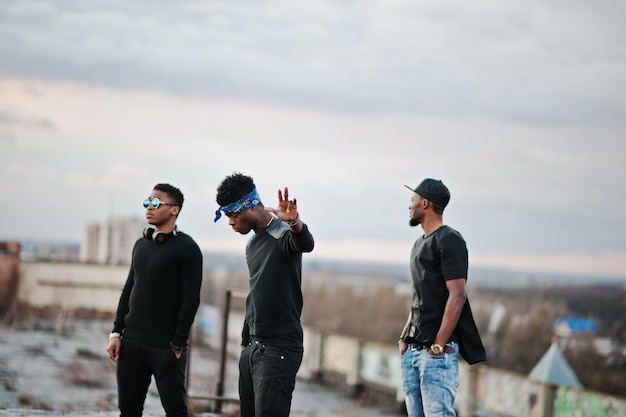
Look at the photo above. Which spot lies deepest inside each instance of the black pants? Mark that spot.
(267, 378)
(135, 367)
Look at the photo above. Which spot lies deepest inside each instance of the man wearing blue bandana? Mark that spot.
(272, 337)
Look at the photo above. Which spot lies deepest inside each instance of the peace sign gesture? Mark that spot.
(287, 209)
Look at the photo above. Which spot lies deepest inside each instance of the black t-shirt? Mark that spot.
(435, 259)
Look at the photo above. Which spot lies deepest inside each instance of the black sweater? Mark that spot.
(274, 303)
(162, 292)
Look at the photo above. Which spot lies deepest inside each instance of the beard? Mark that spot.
(414, 222)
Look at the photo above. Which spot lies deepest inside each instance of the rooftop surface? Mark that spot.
(49, 371)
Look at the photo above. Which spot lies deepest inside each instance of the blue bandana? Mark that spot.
(245, 203)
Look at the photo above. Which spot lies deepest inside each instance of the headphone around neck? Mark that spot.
(158, 236)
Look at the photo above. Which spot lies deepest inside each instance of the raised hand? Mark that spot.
(287, 209)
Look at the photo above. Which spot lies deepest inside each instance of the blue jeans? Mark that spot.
(267, 378)
(430, 382)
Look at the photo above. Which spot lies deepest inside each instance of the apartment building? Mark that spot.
(111, 242)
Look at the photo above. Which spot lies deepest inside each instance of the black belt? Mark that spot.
(417, 346)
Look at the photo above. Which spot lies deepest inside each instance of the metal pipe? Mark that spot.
(220, 382)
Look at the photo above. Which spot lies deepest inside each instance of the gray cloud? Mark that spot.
(550, 63)
(7, 118)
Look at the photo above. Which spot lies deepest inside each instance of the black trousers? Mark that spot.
(267, 378)
(136, 366)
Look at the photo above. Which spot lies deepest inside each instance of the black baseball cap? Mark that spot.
(433, 190)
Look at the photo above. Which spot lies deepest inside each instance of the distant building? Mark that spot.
(49, 251)
(572, 326)
(111, 242)
(612, 350)
(9, 275)
(574, 332)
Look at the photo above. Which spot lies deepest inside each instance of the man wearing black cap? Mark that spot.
(440, 324)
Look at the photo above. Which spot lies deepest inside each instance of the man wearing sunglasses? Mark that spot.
(272, 337)
(156, 309)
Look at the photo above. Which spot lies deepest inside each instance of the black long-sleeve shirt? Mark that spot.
(162, 292)
(274, 303)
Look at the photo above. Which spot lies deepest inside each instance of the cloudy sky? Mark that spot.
(519, 107)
